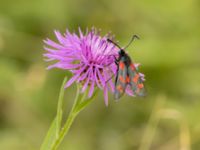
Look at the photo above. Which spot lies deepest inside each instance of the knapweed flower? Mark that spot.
(89, 57)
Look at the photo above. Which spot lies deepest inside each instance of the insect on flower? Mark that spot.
(127, 73)
(88, 56)
(91, 60)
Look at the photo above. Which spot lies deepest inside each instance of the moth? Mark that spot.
(127, 73)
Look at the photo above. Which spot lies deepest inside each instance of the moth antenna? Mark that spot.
(109, 40)
(132, 39)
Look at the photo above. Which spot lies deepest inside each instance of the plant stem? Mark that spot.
(80, 103)
(69, 121)
(64, 130)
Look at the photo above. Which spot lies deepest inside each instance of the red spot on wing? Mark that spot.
(132, 67)
(121, 65)
(140, 86)
(120, 88)
(127, 79)
(121, 79)
(135, 78)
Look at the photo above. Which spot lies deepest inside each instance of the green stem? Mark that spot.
(70, 119)
(59, 108)
(80, 103)
(56, 134)
(64, 130)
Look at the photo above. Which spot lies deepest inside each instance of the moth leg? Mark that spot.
(116, 76)
(116, 61)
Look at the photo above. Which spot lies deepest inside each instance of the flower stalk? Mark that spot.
(54, 139)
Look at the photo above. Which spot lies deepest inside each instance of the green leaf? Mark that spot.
(55, 127)
(59, 109)
(50, 137)
(69, 120)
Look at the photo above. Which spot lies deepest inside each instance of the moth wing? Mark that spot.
(136, 81)
(120, 81)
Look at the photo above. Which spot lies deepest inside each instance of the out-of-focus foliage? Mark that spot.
(169, 51)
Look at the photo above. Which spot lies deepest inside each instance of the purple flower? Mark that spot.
(89, 57)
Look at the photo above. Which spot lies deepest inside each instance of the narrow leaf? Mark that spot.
(50, 137)
(69, 120)
(55, 127)
(59, 109)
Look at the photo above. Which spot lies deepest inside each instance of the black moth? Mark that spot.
(127, 73)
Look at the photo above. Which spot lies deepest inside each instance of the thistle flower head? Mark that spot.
(89, 57)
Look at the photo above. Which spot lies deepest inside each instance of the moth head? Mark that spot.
(121, 52)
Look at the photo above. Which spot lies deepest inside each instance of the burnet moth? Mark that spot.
(127, 73)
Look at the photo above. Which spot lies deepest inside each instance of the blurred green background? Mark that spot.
(169, 51)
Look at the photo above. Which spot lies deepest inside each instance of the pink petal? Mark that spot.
(53, 44)
(102, 79)
(60, 38)
(83, 76)
(112, 86)
(96, 79)
(106, 95)
(71, 80)
(87, 81)
(80, 33)
(91, 89)
(85, 85)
